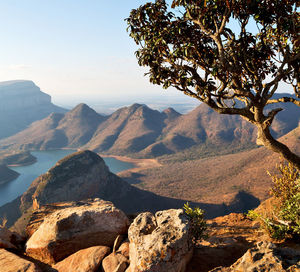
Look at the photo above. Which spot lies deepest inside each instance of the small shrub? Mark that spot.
(285, 186)
(198, 224)
(285, 221)
(3, 222)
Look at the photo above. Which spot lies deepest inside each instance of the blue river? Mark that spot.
(45, 160)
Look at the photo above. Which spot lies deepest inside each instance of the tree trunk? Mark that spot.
(265, 138)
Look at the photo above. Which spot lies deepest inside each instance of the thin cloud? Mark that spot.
(19, 66)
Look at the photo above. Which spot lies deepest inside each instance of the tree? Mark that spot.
(237, 72)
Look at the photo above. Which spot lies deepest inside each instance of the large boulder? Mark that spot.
(85, 224)
(160, 243)
(87, 260)
(10, 262)
(265, 257)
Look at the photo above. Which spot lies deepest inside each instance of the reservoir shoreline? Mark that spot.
(45, 159)
(140, 164)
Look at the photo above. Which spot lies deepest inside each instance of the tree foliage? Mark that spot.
(191, 46)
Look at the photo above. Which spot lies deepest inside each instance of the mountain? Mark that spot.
(21, 103)
(140, 131)
(58, 130)
(128, 130)
(202, 126)
(79, 125)
(286, 120)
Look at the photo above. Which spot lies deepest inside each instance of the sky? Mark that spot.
(76, 51)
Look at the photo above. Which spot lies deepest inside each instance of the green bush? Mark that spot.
(285, 221)
(197, 222)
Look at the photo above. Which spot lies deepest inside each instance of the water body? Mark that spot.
(45, 160)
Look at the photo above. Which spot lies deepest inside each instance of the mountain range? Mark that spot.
(141, 131)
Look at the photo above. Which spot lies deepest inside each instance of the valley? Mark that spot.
(203, 157)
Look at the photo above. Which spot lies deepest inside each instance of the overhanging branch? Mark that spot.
(284, 100)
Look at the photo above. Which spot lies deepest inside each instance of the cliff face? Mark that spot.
(21, 94)
(21, 103)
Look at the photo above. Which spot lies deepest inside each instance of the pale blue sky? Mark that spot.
(73, 49)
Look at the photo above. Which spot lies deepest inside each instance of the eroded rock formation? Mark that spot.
(160, 243)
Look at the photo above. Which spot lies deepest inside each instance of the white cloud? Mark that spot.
(19, 66)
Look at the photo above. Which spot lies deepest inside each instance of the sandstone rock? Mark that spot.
(85, 260)
(87, 224)
(10, 262)
(265, 257)
(124, 249)
(115, 262)
(160, 243)
(10, 239)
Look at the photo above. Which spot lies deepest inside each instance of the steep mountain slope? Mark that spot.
(203, 125)
(215, 179)
(80, 124)
(287, 119)
(57, 130)
(21, 103)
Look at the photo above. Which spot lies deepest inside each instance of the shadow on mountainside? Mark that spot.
(84, 175)
(137, 201)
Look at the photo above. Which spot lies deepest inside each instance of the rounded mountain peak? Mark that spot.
(81, 158)
(78, 176)
(83, 110)
(171, 111)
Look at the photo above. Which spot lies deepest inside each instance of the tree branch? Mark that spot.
(284, 100)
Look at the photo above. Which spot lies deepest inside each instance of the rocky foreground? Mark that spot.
(93, 235)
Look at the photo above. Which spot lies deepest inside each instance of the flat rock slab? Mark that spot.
(90, 223)
(85, 260)
(10, 262)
